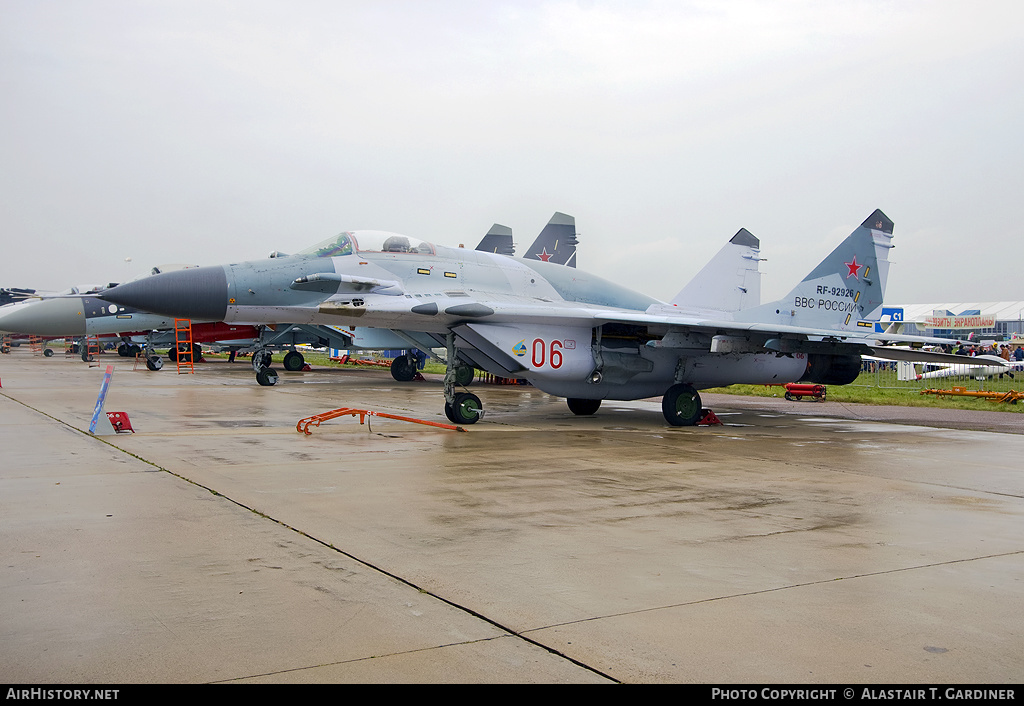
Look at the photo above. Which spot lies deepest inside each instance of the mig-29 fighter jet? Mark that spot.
(568, 333)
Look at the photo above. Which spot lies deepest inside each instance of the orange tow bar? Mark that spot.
(315, 420)
(1012, 396)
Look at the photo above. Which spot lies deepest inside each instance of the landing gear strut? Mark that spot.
(262, 358)
(261, 361)
(459, 407)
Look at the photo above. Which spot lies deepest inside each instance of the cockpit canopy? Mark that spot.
(368, 241)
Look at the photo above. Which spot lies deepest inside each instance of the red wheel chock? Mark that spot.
(708, 418)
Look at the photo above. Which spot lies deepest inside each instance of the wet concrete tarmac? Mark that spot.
(217, 544)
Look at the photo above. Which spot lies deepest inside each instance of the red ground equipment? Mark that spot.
(797, 391)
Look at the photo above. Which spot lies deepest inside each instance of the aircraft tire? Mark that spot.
(681, 406)
(293, 361)
(172, 355)
(48, 353)
(582, 407)
(466, 409)
(122, 350)
(154, 363)
(267, 377)
(402, 370)
(86, 358)
(464, 375)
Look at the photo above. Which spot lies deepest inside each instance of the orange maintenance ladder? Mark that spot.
(183, 344)
(92, 350)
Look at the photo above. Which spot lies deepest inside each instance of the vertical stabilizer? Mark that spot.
(730, 281)
(845, 291)
(556, 243)
(498, 240)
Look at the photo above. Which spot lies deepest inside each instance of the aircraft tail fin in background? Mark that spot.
(498, 240)
(730, 281)
(846, 289)
(556, 243)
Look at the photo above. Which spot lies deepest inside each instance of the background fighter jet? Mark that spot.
(568, 333)
(978, 367)
(498, 240)
(9, 295)
(556, 243)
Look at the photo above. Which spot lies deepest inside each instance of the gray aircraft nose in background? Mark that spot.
(48, 317)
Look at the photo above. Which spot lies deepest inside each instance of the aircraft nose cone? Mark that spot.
(50, 317)
(196, 293)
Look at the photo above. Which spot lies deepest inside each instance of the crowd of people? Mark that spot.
(1003, 350)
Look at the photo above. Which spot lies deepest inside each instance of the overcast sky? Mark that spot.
(210, 132)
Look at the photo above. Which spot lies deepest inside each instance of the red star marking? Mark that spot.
(854, 268)
(545, 256)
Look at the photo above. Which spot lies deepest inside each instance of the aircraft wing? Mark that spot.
(725, 327)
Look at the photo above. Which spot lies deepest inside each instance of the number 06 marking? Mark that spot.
(541, 354)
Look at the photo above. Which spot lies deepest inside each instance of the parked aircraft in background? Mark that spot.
(556, 243)
(73, 314)
(9, 295)
(977, 367)
(498, 240)
(568, 333)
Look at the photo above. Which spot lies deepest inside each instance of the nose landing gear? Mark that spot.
(459, 407)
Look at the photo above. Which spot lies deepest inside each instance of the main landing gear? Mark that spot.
(173, 353)
(583, 408)
(681, 406)
(403, 368)
(407, 366)
(293, 361)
